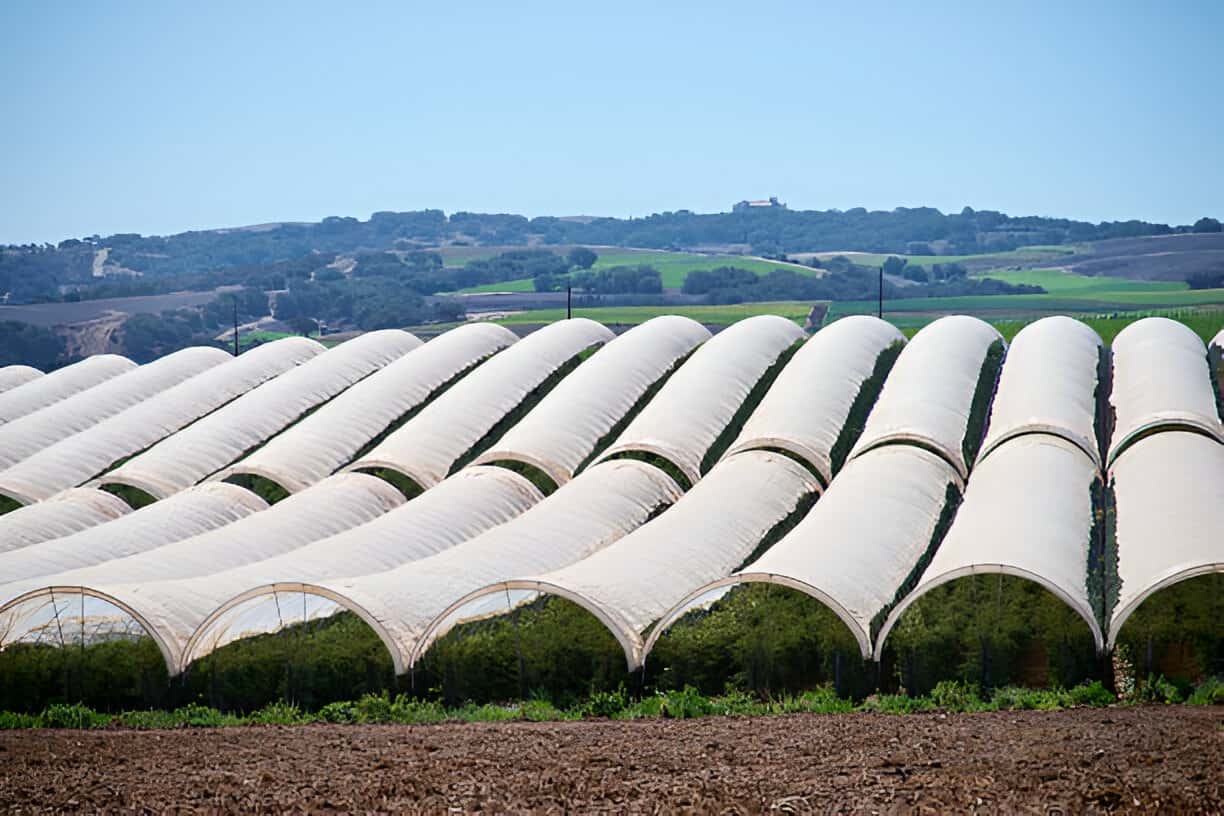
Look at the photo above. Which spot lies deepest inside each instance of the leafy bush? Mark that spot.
(373, 708)
(10, 721)
(1013, 698)
(822, 700)
(605, 703)
(646, 708)
(956, 696)
(341, 711)
(61, 715)
(417, 712)
(735, 703)
(1091, 694)
(1159, 689)
(897, 704)
(1209, 692)
(684, 704)
(279, 713)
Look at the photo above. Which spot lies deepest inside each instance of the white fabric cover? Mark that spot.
(64, 514)
(1048, 385)
(1169, 489)
(192, 512)
(33, 432)
(330, 437)
(82, 456)
(14, 375)
(929, 392)
(1218, 340)
(687, 415)
(856, 547)
(807, 406)
(709, 533)
(207, 446)
(1027, 512)
(408, 605)
(562, 431)
(430, 443)
(49, 389)
(1160, 379)
(201, 608)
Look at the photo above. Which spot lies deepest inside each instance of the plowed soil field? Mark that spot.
(1134, 759)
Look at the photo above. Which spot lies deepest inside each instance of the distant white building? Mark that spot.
(771, 203)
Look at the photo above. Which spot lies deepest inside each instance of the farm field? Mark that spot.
(1083, 760)
(709, 315)
(1016, 257)
(673, 267)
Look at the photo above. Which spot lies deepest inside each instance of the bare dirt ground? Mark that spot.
(1134, 759)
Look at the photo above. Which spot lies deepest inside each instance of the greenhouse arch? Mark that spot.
(625, 636)
(680, 609)
(163, 645)
(223, 614)
(1122, 613)
(1078, 608)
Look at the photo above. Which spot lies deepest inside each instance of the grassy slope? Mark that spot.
(713, 315)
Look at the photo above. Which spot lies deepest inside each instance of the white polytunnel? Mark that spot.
(60, 384)
(1218, 340)
(427, 447)
(207, 608)
(205, 447)
(65, 513)
(878, 519)
(12, 376)
(192, 512)
(23, 437)
(406, 605)
(697, 403)
(928, 398)
(712, 530)
(806, 410)
(565, 429)
(81, 457)
(331, 437)
(1161, 380)
(1028, 512)
(1169, 494)
(1049, 385)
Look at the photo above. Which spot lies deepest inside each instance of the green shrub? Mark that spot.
(61, 715)
(417, 712)
(1209, 692)
(1158, 689)
(278, 713)
(956, 696)
(685, 704)
(735, 703)
(10, 721)
(822, 700)
(489, 712)
(1091, 694)
(147, 720)
(604, 703)
(373, 708)
(646, 708)
(341, 711)
(1014, 698)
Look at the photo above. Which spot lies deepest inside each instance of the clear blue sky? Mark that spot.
(161, 117)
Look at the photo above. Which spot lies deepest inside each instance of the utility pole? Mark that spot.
(235, 325)
(880, 310)
(569, 301)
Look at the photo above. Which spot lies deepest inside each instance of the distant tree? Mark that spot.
(893, 265)
(915, 273)
(1207, 225)
(584, 258)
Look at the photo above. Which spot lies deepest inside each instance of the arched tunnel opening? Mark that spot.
(989, 630)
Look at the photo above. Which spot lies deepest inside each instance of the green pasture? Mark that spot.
(712, 315)
(1015, 257)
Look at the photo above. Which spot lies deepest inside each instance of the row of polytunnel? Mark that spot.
(422, 485)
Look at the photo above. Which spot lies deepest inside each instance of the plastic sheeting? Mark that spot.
(15, 375)
(81, 457)
(217, 440)
(408, 606)
(24, 437)
(563, 430)
(928, 395)
(1027, 512)
(709, 533)
(1169, 490)
(1218, 340)
(201, 609)
(1160, 380)
(429, 444)
(192, 512)
(59, 385)
(687, 415)
(330, 437)
(856, 547)
(1048, 385)
(807, 406)
(64, 514)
